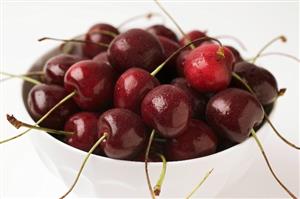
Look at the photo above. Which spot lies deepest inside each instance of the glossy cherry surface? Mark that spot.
(42, 98)
(161, 30)
(197, 100)
(236, 54)
(131, 88)
(232, 113)
(126, 133)
(192, 35)
(135, 48)
(259, 79)
(101, 57)
(180, 60)
(56, 67)
(196, 141)
(167, 109)
(206, 71)
(84, 127)
(94, 35)
(93, 83)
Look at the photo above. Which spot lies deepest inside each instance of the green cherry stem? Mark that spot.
(148, 16)
(239, 42)
(269, 165)
(281, 38)
(73, 40)
(199, 185)
(220, 52)
(23, 77)
(157, 187)
(42, 118)
(146, 164)
(18, 124)
(103, 137)
(236, 76)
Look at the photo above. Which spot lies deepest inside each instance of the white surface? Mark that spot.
(24, 175)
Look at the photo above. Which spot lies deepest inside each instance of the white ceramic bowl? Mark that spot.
(105, 177)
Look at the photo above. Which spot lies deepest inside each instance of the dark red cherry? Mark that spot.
(207, 71)
(93, 82)
(236, 54)
(167, 109)
(135, 48)
(84, 126)
(198, 140)
(232, 113)
(168, 72)
(131, 88)
(41, 98)
(157, 147)
(101, 57)
(197, 100)
(259, 79)
(126, 133)
(161, 30)
(94, 35)
(180, 62)
(56, 67)
(192, 35)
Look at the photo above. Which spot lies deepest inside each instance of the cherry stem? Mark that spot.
(104, 32)
(103, 137)
(269, 165)
(25, 78)
(157, 187)
(238, 41)
(281, 38)
(220, 52)
(174, 21)
(199, 185)
(281, 92)
(147, 16)
(74, 41)
(146, 163)
(18, 124)
(42, 118)
(279, 54)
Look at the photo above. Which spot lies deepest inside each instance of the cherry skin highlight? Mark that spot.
(93, 82)
(41, 98)
(198, 140)
(161, 30)
(167, 109)
(56, 67)
(135, 48)
(232, 113)
(126, 133)
(131, 88)
(206, 71)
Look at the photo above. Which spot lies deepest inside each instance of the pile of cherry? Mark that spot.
(195, 95)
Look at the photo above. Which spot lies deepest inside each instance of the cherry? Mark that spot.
(192, 35)
(126, 133)
(101, 57)
(166, 108)
(93, 83)
(180, 62)
(135, 48)
(197, 140)
(96, 34)
(161, 30)
(208, 68)
(262, 82)
(236, 54)
(56, 67)
(131, 88)
(42, 98)
(233, 113)
(197, 100)
(84, 126)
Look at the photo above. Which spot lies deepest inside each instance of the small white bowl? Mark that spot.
(105, 177)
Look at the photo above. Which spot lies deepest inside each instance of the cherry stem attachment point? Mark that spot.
(103, 137)
(146, 164)
(269, 165)
(236, 76)
(18, 124)
(281, 92)
(239, 42)
(281, 38)
(42, 118)
(199, 185)
(220, 52)
(157, 187)
(148, 16)
(74, 41)
(23, 77)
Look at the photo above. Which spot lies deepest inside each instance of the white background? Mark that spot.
(22, 174)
